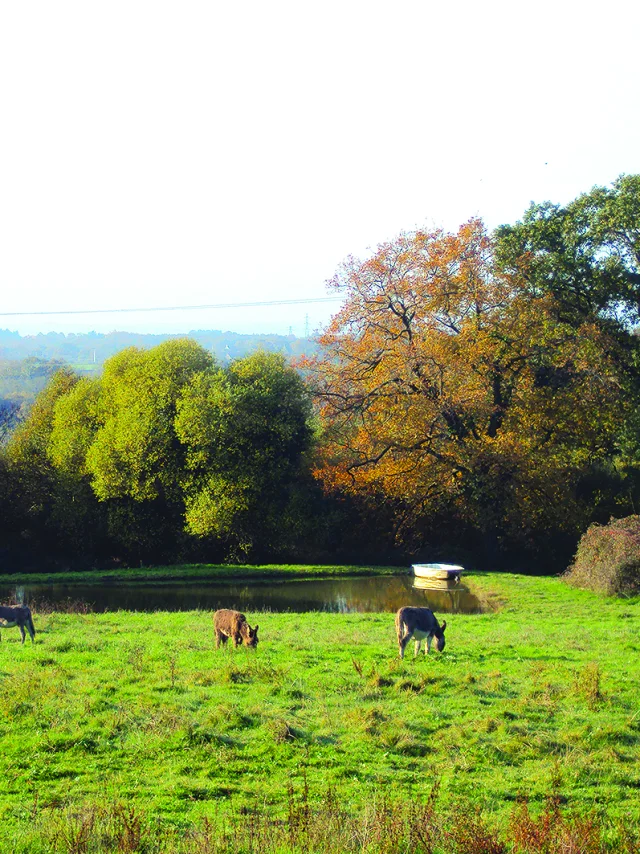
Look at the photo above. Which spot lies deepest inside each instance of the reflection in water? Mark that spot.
(450, 587)
(341, 595)
(438, 583)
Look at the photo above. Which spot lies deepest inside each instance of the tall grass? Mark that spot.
(325, 826)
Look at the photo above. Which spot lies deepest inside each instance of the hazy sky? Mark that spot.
(188, 153)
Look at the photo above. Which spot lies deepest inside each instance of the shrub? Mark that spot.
(608, 558)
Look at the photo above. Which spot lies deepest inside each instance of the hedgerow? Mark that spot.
(608, 558)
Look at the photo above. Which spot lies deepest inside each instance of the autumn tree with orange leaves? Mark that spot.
(445, 384)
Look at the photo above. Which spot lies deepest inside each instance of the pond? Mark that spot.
(341, 595)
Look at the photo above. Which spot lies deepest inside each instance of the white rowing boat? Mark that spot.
(440, 571)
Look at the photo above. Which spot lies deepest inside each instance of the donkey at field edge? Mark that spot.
(419, 623)
(232, 624)
(17, 615)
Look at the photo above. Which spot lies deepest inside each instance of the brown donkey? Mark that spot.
(232, 624)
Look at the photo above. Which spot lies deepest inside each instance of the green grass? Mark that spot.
(139, 710)
(207, 571)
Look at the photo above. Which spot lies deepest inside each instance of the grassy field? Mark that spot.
(129, 731)
(192, 572)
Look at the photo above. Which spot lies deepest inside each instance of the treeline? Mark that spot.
(167, 456)
(93, 348)
(475, 399)
(28, 362)
(20, 383)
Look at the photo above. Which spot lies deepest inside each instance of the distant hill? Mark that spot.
(93, 348)
(27, 362)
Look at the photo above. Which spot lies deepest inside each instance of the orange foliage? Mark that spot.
(443, 381)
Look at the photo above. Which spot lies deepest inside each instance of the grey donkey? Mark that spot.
(419, 623)
(232, 624)
(20, 616)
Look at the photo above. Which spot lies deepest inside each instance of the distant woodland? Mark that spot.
(28, 361)
(476, 400)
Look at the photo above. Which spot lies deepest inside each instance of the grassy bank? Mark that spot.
(205, 571)
(137, 716)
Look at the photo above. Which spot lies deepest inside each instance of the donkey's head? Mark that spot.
(250, 636)
(439, 636)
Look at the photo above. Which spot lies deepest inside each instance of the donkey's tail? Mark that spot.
(30, 626)
(399, 626)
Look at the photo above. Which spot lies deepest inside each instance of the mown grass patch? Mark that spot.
(205, 571)
(538, 698)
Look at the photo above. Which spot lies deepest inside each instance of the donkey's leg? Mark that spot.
(403, 643)
(428, 647)
(220, 638)
(417, 647)
(22, 631)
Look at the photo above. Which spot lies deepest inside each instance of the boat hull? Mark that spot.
(439, 571)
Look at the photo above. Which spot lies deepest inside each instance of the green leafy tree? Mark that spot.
(586, 253)
(132, 455)
(246, 431)
(135, 453)
(45, 507)
(75, 423)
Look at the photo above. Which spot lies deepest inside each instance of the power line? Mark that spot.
(172, 307)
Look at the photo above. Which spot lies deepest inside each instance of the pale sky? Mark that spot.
(188, 153)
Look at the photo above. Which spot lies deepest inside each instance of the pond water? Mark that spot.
(341, 595)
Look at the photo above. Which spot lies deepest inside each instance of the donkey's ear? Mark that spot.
(255, 631)
(444, 625)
